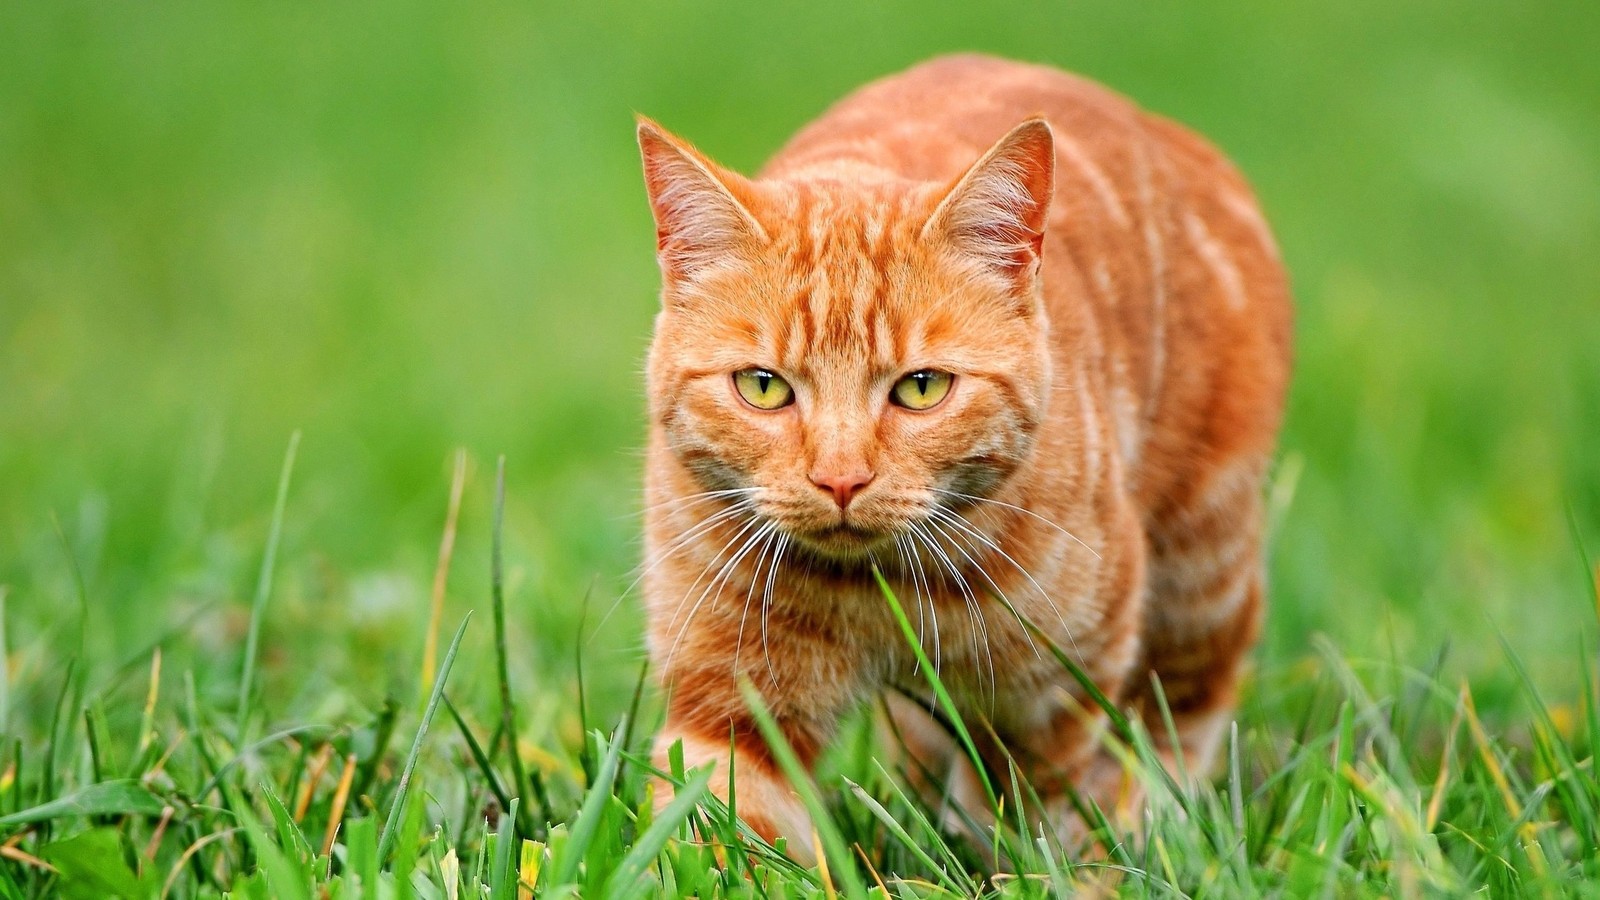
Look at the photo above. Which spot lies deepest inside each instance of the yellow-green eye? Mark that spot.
(763, 389)
(921, 390)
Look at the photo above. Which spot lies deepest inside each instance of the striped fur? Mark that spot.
(1110, 301)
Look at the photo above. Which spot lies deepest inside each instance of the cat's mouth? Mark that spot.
(842, 539)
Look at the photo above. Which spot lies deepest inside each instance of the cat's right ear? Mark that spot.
(699, 216)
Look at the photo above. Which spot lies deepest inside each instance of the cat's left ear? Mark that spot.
(996, 212)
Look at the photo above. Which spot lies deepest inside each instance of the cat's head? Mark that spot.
(850, 353)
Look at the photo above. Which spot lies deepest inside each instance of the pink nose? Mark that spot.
(843, 487)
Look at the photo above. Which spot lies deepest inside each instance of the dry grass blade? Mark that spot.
(441, 571)
(341, 795)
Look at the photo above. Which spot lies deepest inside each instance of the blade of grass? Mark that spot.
(319, 765)
(119, 797)
(196, 728)
(583, 699)
(92, 717)
(1549, 744)
(824, 830)
(478, 756)
(937, 685)
(633, 709)
(382, 730)
(949, 872)
(588, 818)
(255, 746)
(286, 879)
(409, 842)
(5, 667)
(361, 855)
(47, 785)
(79, 586)
(622, 882)
(508, 707)
(147, 721)
(397, 808)
(503, 877)
(290, 837)
(1491, 763)
(264, 585)
(341, 796)
(1591, 699)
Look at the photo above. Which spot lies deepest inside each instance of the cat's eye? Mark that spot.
(763, 389)
(921, 390)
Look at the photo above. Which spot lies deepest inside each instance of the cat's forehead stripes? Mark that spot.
(838, 257)
(828, 222)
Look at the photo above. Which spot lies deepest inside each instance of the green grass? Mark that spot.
(405, 230)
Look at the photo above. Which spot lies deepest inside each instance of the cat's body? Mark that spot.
(1115, 408)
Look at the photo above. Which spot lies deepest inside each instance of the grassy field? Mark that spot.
(404, 229)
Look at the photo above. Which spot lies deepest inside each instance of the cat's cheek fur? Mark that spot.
(722, 441)
(977, 444)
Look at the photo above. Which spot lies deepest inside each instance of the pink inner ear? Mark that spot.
(997, 211)
(698, 218)
(1034, 155)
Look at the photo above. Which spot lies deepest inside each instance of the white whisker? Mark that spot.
(1044, 595)
(766, 605)
(761, 555)
(905, 564)
(956, 530)
(962, 544)
(1027, 512)
(933, 606)
(924, 591)
(974, 612)
(692, 500)
(677, 544)
(713, 583)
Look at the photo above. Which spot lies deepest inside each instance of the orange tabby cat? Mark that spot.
(1035, 378)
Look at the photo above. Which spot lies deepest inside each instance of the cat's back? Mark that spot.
(929, 122)
(1156, 247)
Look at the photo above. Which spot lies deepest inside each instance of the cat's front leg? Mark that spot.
(744, 770)
(805, 684)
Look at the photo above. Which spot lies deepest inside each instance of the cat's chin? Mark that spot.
(843, 542)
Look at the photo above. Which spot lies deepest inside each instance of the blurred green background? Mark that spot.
(407, 227)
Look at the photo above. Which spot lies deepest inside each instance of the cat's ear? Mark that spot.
(996, 212)
(699, 216)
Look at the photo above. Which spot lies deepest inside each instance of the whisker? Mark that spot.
(677, 544)
(755, 576)
(727, 545)
(933, 607)
(905, 564)
(692, 500)
(981, 627)
(969, 528)
(962, 543)
(766, 605)
(688, 537)
(717, 582)
(1027, 512)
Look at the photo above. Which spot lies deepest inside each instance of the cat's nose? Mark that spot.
(844, 487)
